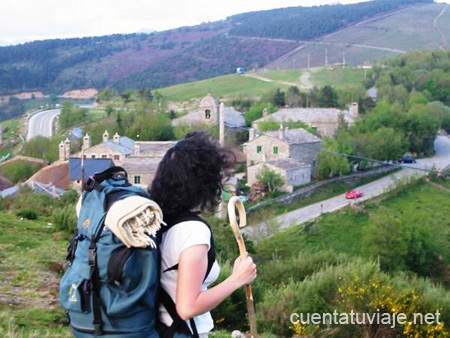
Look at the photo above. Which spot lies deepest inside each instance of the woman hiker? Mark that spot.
(187, 182)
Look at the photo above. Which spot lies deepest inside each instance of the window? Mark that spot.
(104, 156)
(314, 163)
(275, 150)
(137, 179)
(116, 157)
(207, 114)
(93, 156)
(259, 149)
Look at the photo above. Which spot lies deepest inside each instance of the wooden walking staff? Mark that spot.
(232, 204)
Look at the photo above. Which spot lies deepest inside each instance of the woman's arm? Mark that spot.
(190, 301)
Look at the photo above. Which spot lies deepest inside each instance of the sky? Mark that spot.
(26, 20)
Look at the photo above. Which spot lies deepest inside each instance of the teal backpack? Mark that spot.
(109, 290)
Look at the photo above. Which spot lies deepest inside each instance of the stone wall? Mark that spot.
(309, 190)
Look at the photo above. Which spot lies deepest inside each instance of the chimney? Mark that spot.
(62, 153)
(116, 138)
(105, 136)
(354, 109)
(222, 124)
(265, 112)
(86, 142)
(66, 149)
(281, 132)
(251, 134)
(137, 148)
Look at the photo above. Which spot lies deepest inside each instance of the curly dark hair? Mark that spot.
(190, 175)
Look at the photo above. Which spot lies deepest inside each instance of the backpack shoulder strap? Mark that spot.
(212, 250)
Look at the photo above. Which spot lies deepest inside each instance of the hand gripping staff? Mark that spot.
(232, 204)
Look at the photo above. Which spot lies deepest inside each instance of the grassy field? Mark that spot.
(341, 232)
(338, 77)
(31, 259)
(233, 86)
(290, 75)
(220, 87)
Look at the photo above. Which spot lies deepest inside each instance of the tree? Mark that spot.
(276, 98)
(109, 110)
(271, 180)
(387, 237)
(328, 97)
(42, 147)
(389, 144)
(19, 171)
(294, 97)
(331, 164)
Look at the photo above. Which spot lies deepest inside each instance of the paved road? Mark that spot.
(41, 124)
(376, 188)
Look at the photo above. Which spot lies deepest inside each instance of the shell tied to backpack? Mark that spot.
(110, 287)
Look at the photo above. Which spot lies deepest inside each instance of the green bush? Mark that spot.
(19, 171)
(355, 285)
(28, 214)
(66, 219)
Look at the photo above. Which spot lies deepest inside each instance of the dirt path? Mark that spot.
(262, 78)
(305, 80)
(441, 33)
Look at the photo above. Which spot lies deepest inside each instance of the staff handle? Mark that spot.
(235, 202)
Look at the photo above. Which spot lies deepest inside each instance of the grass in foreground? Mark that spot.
(31, 258)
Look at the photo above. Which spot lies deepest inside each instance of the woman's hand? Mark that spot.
(244, 271)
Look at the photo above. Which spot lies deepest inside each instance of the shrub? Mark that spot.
(270, 179)
(19, 171)
(28, 214)
(66, 219)
(360, 286)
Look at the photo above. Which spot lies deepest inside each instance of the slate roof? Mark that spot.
(307, 115)
(296, 136)
(125, 146)
(155, 149)
(91, 166)
(288, 164)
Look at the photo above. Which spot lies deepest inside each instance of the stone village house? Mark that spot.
(324, 120)
(139, 159)
(289, 152)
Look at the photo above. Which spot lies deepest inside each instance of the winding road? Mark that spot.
(41, 123)
(439, 161)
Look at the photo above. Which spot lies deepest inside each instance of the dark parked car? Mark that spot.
(407, 159)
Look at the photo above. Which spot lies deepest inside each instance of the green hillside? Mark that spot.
(388, 35)
(256, 84)
(250, 40)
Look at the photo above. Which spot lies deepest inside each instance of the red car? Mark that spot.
(353, 194)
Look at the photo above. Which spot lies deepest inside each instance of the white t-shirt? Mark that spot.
(178, 238)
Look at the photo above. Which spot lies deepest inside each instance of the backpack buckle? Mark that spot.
(92, 257)
(90, 184)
